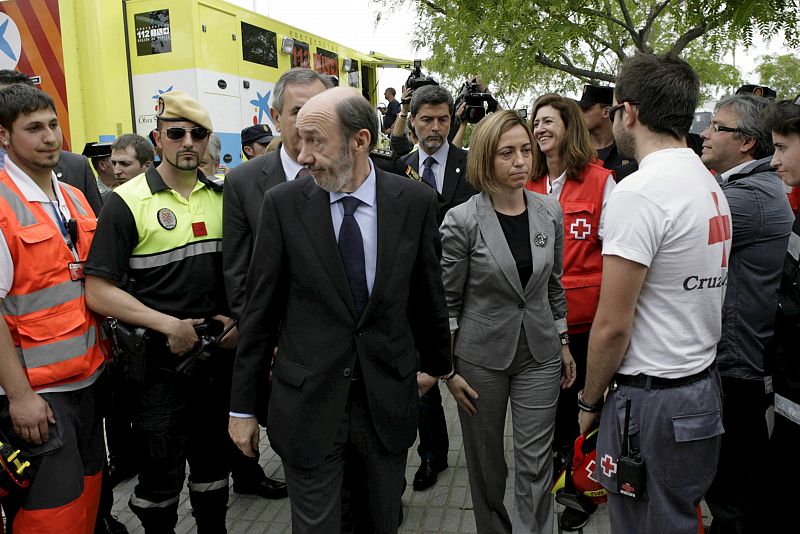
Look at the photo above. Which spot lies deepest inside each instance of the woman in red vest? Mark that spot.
(565, 165)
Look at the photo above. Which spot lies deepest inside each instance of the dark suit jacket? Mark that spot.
(243, 193)
(299, 300)
(74, 169)
(456, 189)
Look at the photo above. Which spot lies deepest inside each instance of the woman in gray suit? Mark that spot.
(501, 263)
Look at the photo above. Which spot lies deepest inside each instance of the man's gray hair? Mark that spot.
(296, 76)
(356, 113)
(748, 108)
(214, 148)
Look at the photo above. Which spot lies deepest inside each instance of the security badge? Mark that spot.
(167, 218)
(76, 270)
(540, 240)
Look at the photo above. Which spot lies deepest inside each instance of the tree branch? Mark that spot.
(433, 7)
(637, 39)
(545, 61)
(684, 40)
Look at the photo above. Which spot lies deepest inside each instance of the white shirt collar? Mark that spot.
(365, 193)
(290, 166)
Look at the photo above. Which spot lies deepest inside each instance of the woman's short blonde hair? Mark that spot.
(483, 147)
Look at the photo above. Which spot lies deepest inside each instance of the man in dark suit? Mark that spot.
(73, 169)
(346, 283)
(443, 167)
(242, 195)
(246, 184)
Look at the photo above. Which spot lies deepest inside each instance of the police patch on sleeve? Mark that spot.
(167, 218)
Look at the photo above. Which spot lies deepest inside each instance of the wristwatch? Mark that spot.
(448, 378)
(586, 407)
(564, 338)
(403, 114)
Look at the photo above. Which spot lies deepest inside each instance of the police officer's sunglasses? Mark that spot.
(177, 133)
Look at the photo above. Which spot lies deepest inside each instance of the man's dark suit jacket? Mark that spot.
(455, 190)
(73, 169)
(243, 193)
(299, 300)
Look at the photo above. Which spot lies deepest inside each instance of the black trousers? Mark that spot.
(567, 413)
(359, 468)
(433, 439)
(178, 419)
(736, 498)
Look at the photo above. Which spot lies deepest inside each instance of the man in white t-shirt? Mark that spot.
(653, 342)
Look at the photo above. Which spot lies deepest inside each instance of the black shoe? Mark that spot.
(109, 525)
(427, 474)
(267, 489)
(573, 519)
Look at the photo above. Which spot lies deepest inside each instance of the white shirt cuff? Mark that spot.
(241, 415)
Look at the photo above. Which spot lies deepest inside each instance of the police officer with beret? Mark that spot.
(156, 263)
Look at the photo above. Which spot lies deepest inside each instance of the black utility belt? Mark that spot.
(657, 382)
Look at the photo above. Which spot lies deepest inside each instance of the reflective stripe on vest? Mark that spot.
(54, 332)
(165, 258)
(59, 351)
(47, 297)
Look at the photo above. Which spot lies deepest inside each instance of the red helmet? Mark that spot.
(581, 487)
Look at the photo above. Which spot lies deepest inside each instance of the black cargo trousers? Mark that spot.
(179, 418)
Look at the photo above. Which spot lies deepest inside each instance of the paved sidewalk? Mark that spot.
(447, 507)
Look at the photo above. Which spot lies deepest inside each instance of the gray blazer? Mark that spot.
(484, 294)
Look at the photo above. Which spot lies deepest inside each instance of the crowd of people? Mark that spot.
(596, 267)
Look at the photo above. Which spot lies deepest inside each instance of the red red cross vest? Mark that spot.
(581, 201)
(56, 336)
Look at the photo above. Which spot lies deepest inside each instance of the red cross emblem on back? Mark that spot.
(719, 229)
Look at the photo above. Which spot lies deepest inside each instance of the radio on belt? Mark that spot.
(630, 465)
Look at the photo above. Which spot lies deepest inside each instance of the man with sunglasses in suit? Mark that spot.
(157, 263)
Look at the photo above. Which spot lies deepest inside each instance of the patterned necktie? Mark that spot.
(302, 173)
(351, 248)
(427, 172)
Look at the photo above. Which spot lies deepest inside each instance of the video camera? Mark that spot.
(479, 103)
(416, 79)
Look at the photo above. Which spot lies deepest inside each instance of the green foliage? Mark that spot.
(536, 46)
(781, 73)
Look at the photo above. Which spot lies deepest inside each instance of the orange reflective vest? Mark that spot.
(581, 201)
(56, 336)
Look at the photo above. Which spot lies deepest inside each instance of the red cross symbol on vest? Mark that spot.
(590, 471)
(580, 229)
(609, 465)
(719, 229)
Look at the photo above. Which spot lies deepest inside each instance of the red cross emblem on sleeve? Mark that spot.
(580, 229)
(719, 229)
(608, 465)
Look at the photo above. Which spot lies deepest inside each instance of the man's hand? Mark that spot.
(587, 421)
(231, 339)
(463, 393)
(30, 415)
(405, 99)
(181, 336)
(244, 433)
(425, 382)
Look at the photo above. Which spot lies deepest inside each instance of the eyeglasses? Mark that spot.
(714, 127)
(177, 133)
(613, 109)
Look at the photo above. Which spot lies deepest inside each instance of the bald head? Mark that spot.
(337, 129)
